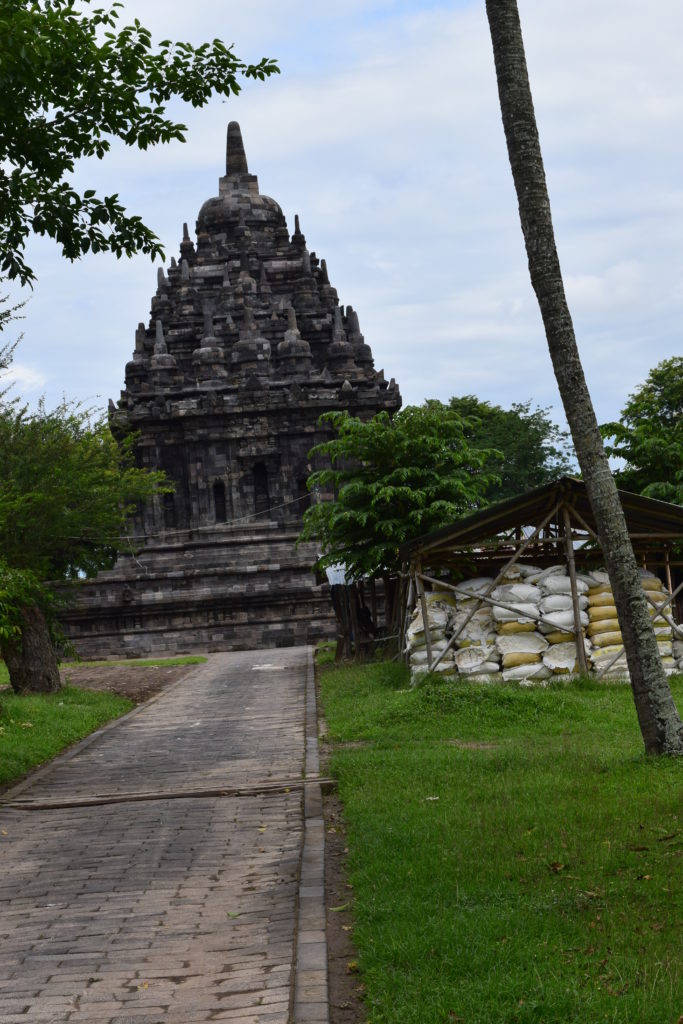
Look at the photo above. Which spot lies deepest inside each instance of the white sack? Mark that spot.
(470, 659)
(552, 570)
(516, 593)
(563, 585)
(562, 620)
(537, 671)
(486, 669)
(523, 613)
(530, 570)
(521, 643)
(561, 658)
(474, 586)
(561, 602)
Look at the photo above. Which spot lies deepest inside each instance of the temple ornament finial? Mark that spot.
(235, 157)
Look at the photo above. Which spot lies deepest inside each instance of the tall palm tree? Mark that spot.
(660, 723)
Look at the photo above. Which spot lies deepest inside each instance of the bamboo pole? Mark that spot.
(578, 631)
(497, 603)
(660, 611)
(579, 518)
(492, 586)
(667, 570)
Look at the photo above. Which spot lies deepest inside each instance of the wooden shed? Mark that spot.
(545, 526)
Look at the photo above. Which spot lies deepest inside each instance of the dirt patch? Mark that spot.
(136, 682)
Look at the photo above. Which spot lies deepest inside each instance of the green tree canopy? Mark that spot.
(71, 81)
(392, 479)
(66, 489)
(649, 435)
(527, 448)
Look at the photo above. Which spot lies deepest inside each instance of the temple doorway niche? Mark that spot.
(219, 502)
(261, 492)
(170, 518)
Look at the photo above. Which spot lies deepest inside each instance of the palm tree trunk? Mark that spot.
(660, 723)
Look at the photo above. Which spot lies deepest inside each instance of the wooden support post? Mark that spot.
(571, 565)
(373, 601)
(425, 616)
(355, 628)
(406, 613)
(667, 570)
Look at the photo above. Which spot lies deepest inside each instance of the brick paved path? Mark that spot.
(138, 905)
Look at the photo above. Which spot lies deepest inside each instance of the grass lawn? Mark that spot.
(35, 728)
(514, 856)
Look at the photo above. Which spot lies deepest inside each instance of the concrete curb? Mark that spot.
(311, 994)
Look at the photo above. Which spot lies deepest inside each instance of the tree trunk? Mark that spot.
(660, 723)
(31, 660)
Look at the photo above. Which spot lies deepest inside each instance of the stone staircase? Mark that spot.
(224, 588)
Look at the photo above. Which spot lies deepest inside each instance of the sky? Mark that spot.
(383, 133)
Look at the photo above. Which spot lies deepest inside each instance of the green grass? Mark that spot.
(35, 728)
(515, 857)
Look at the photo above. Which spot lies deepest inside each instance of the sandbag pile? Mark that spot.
(604, 632)
(416, 641)
(527, 633)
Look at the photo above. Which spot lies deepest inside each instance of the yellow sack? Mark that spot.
(605, 653)
(652, 583)
(607, 611)
(513, 658)
(506, 628)
(602, 588)
(601, 599)
(442, 596)
(558, 637)
(603, 626)
(606, 639)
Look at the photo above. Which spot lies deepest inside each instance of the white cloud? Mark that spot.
(24, 377)
(383, 133)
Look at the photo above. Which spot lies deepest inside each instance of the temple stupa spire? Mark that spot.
(235, 157)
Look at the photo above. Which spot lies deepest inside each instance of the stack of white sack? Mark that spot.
(557, 608)
(439, 632)
(604, 631)
(475, 656)
(507, 641)
(519, 644)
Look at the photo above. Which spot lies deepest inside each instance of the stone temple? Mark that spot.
(246, 346)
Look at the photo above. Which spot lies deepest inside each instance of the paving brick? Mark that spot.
(171, 910)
